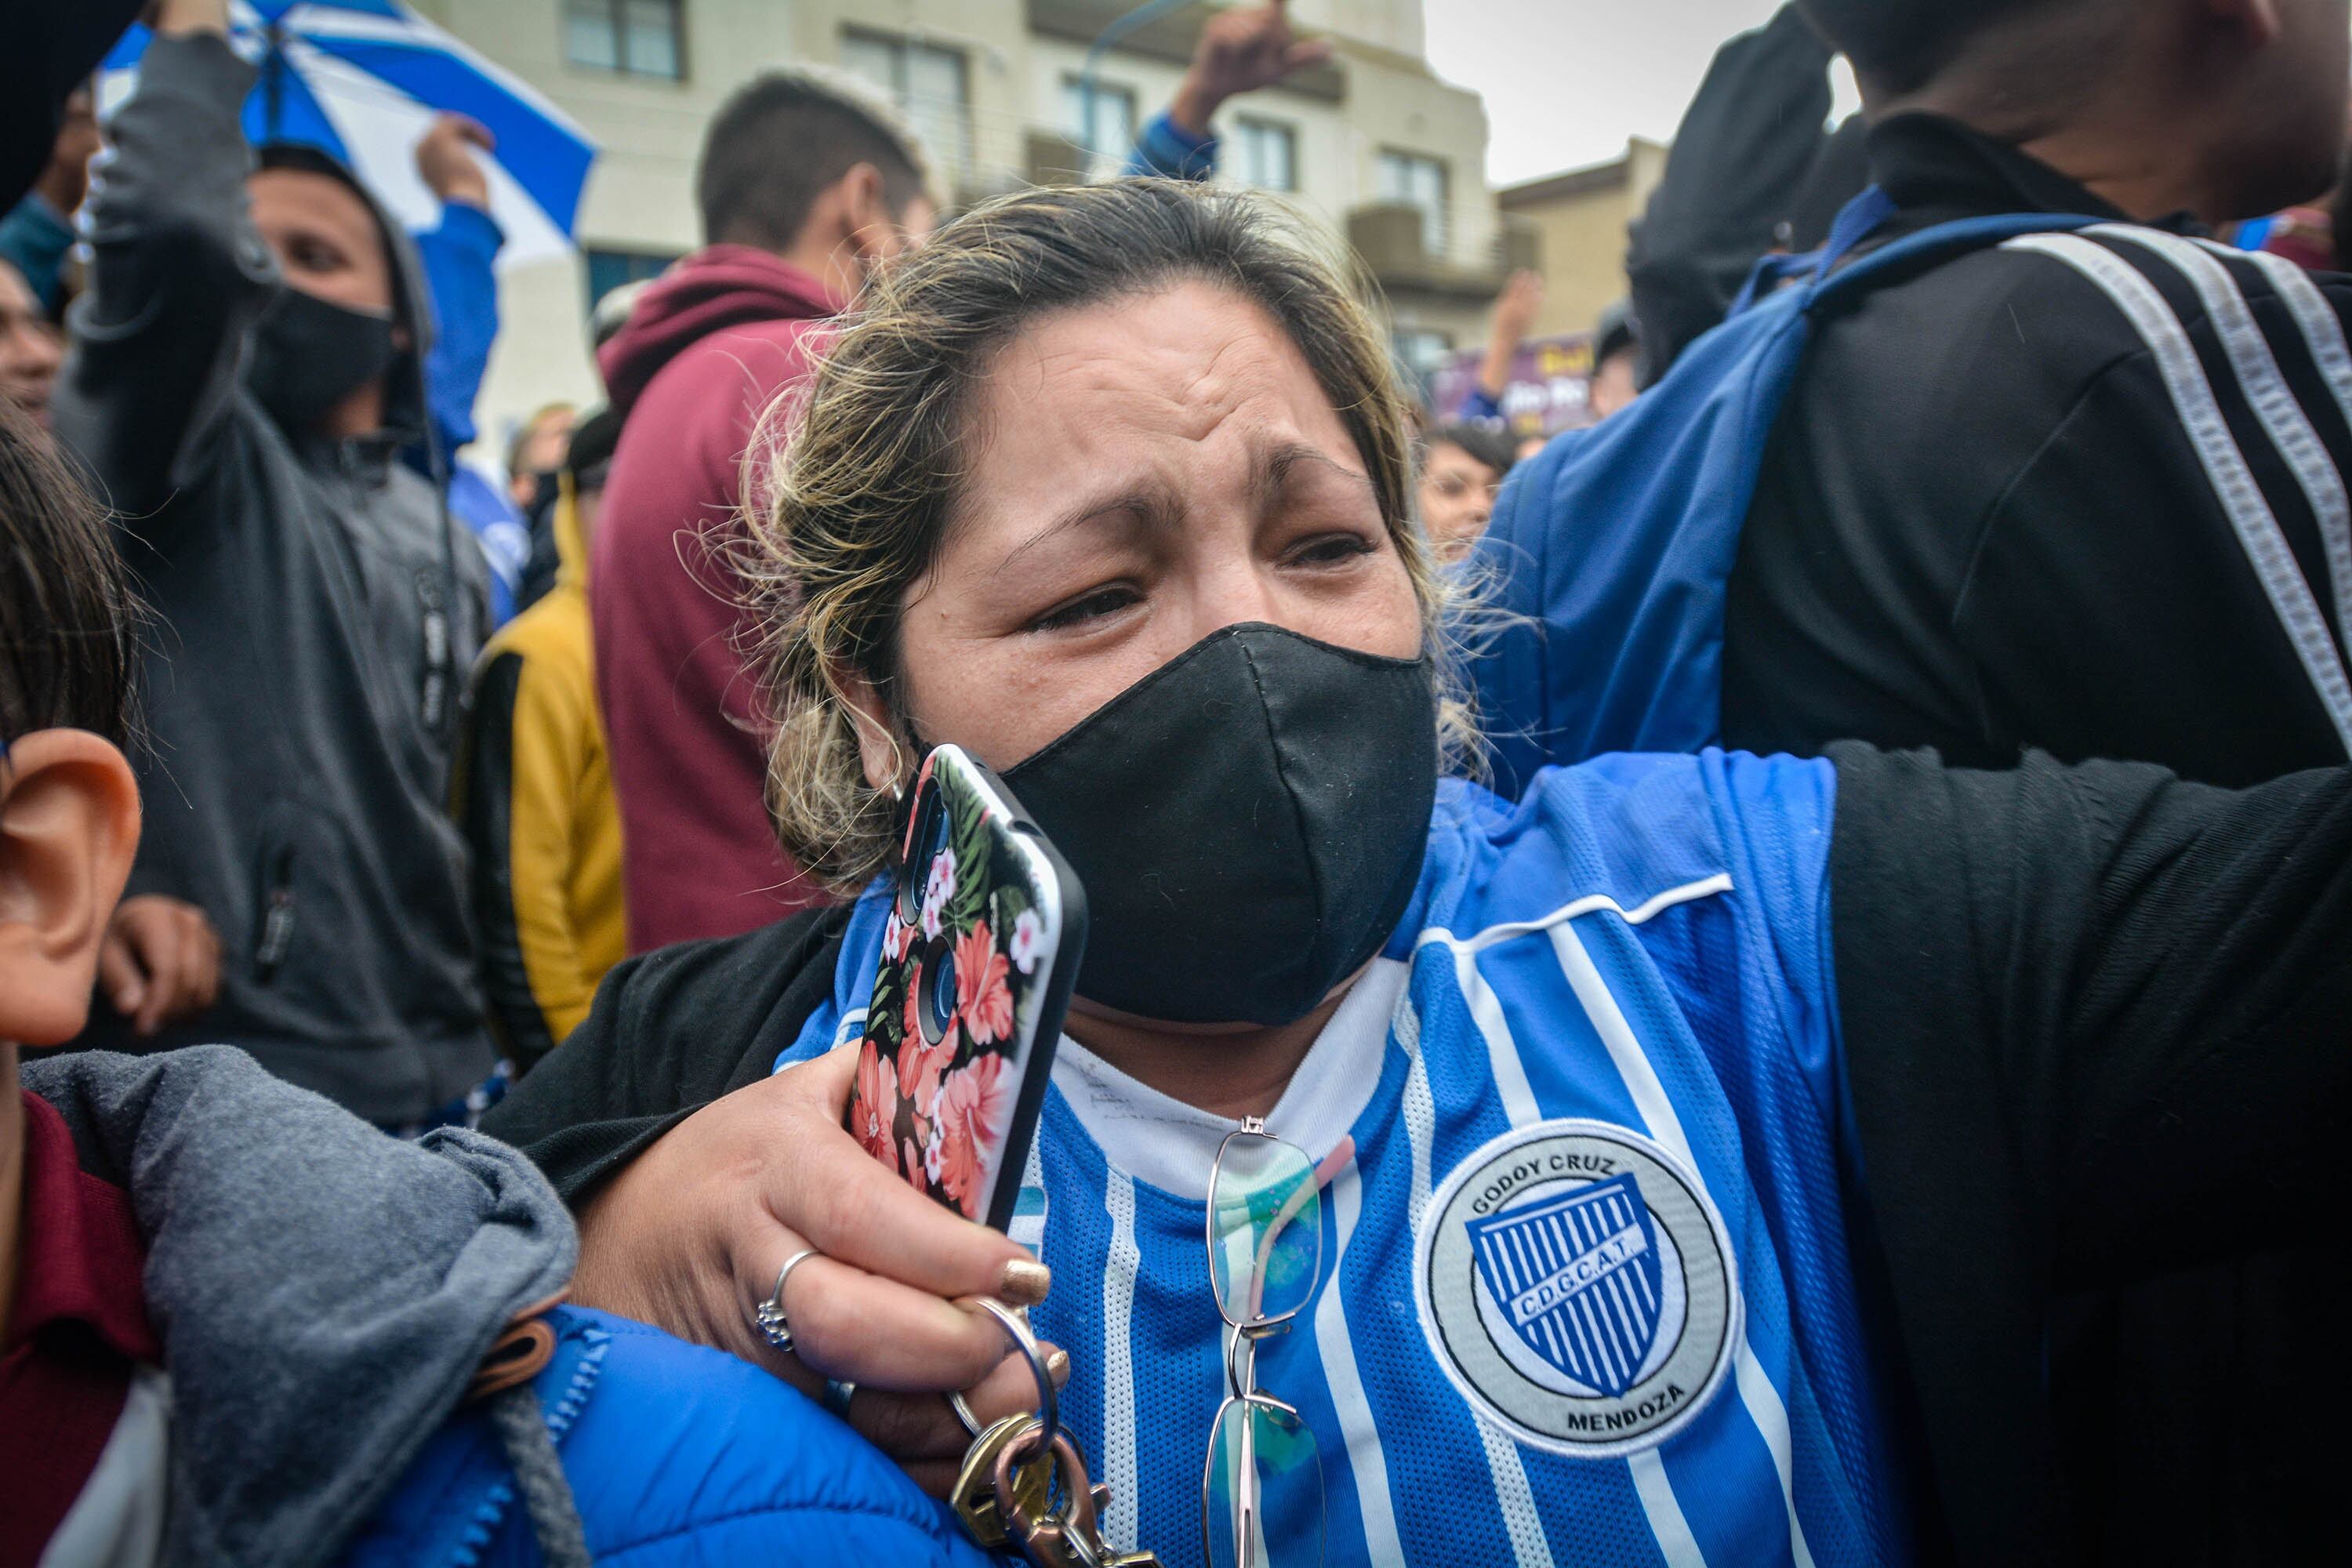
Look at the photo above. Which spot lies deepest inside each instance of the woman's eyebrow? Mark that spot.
(1145, 508)
(1276, 468)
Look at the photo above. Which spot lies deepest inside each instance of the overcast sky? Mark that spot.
(1567, 81)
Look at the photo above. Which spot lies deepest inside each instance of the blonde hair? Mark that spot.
(849, 512)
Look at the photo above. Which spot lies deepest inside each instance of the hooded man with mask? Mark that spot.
(247, 371)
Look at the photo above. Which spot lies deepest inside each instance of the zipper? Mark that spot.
(277, 939)
(433, 696)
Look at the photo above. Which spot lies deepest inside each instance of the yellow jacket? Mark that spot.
(533, 791)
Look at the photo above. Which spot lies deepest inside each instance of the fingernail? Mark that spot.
(126, 999)
(1023, 1282)
(1058, 1367)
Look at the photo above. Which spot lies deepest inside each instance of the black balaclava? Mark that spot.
(307, 355)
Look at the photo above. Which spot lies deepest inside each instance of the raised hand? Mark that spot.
(1516, 308)
(445, 158)
(1241, 51)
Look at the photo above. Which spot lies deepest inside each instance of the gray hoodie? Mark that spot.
(315, 605)
(324, 1293)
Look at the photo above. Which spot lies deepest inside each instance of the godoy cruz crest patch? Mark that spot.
(1577, 1285)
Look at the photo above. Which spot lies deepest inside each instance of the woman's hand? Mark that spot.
(691, 1234)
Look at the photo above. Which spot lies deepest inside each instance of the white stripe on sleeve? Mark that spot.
(2323, 333)
(2266, 390)
(2225, 468)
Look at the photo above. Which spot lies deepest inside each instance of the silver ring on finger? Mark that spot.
(768, 1316)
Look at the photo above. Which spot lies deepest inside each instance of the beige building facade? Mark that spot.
(1373, 146)
(1578, 219)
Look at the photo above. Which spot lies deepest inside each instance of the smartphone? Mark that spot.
(986, 927)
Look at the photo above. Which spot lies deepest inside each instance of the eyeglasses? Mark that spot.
(1262, 1480)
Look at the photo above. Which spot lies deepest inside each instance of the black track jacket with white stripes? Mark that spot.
(2084, 497)
(2087, 496)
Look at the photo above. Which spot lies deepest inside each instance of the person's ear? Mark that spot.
(69, 828)
(873, 227)
(879, 755)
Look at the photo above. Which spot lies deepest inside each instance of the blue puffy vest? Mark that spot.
(677, 1455)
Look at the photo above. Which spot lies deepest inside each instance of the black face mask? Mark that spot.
(307, 356)
(1249, 822)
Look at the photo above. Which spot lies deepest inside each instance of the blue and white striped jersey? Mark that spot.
(1585, 1295)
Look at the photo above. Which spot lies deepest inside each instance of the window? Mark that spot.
(1422, 351)
(1413, 180)
(1111, 136)
(611, 269)
(633, 37)
(926, 82)
(1265, 154)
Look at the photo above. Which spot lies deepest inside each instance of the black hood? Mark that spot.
(405, 411)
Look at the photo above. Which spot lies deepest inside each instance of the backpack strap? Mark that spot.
(1835, 272)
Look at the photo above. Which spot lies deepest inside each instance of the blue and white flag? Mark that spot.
(363, 79)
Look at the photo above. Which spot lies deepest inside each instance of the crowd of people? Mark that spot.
(1804, 931)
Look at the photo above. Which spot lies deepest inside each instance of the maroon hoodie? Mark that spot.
(705, 350)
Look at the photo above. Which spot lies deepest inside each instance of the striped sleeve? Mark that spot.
(2254, 371)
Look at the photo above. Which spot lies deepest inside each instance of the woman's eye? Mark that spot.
(1078, 612)
(1333, 550)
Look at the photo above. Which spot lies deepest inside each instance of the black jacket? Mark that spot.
(1982, 525)
(2093, 1022)
(311, 600)
(1754, 167)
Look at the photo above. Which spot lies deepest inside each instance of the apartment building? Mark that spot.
(1580, 218)
(1374, 145)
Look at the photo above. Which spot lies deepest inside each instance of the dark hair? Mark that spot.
(781, 140)
(590, 452)
(1901, 45)
(1482, 443)
(68, 619)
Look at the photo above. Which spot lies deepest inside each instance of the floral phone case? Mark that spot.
(978, 956)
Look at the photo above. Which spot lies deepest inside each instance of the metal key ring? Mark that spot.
(1016, 1329)
(1077, 1526)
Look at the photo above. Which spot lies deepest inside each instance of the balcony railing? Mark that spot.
(1394, 241)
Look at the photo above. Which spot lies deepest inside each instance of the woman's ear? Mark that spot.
(69, 828)
(879, 754)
